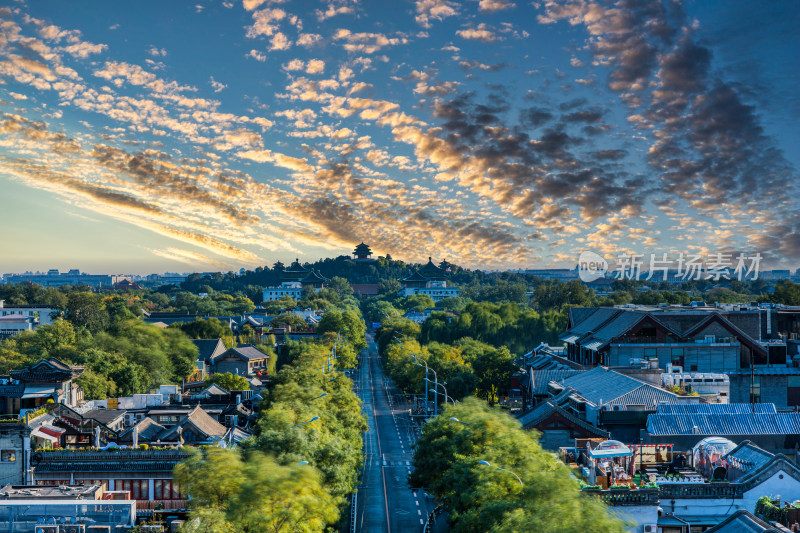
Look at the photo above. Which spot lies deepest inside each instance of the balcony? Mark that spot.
(147, 507)
(649, 496)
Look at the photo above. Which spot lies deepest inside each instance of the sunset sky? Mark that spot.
(160, 136)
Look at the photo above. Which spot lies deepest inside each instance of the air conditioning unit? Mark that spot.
(649, 528)
(230, 420)
(73, 528)
(49, 528)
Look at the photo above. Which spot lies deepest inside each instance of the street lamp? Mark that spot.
(454, 419)
(302, 463)
(304, 423)
(446, 397)
(320, 396)
(435, 392)
(487, 463)
(445, 394)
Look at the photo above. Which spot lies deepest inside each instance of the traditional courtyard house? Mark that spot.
(31, 387)
(243, 360)
(84, 428)
(613, 401)
(195, 428)
(430, 280)
(314, 280)
(559, 426)
(207, 349)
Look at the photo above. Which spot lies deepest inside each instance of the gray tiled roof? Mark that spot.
(612, 388)
(246, 353)
(593, 322)
(104, 416)
(199, 419)
(148, 430)
(208, 348)
(743, 521)
(545, 409)
(541, 379)
(748, 456)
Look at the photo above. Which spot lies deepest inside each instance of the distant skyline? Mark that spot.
(498, 134)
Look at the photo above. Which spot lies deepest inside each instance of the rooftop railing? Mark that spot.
(648, 496)
(83, 455)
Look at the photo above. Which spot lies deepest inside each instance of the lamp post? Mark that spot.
(435, 394)
(320, 396)
(446, 397)
(416, 362)
(304, 423)
(454, 419)
(487, 463)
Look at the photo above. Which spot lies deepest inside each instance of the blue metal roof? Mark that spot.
(716, 409)
(724, 424)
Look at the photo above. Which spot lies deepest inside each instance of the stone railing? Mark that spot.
(648, 496)
(675, 491)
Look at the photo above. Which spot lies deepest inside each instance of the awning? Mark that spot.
(37, 392)
(610, 448)
(594, 345)
(42, 435)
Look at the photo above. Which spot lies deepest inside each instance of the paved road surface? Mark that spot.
(385, 502)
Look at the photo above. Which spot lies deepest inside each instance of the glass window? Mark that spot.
(8, 456)
(650, 352)
(677, 352)
(755, 390)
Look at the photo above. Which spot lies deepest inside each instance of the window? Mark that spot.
(165, 489)
(8, 456)
(676, 352)
(693, 368)
(793, 390)
(139, 488)
(755, 390)
(650, 352)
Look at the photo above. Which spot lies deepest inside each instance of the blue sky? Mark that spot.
(152, 136)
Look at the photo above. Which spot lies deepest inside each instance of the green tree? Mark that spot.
(211, 328)
(256, 495)
(86, 310)
(482, 498)
(230, 381)
(96, 386)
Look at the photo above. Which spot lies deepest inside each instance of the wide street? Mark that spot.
(385, 501)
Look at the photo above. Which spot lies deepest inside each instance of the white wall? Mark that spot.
(636, 515)
(779, 484)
